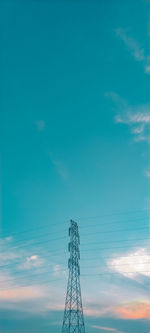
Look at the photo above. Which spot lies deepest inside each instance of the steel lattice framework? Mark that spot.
(73, 315)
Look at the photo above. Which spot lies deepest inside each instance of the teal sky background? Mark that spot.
(74, 143)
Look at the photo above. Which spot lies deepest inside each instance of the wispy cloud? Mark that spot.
(40, 124)
(60, 169)
(135, 48)
(118, 100)
(104, 328)
(137, 117)
(132, 44)
(59, 166)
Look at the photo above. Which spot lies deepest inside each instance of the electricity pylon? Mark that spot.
(73, 315)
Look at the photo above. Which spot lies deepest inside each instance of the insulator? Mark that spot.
(78, 270)
(69, 247)
(69, 231)
(78, 239)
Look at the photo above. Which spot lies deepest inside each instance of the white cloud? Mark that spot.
(138, 129)
(132, 264)
(138, 118)
(32, 262)
(142, 116)
(135, 48)
(40, 124)
(139, 123)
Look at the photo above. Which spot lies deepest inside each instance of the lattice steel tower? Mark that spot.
(73, 315)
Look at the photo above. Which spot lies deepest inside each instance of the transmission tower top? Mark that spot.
(73, 321)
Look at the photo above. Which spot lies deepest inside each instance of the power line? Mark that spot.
(95, 233)
(82, 275)
(114, 214)
(29, 285)
(85, 218)
(113, 222)
(57, 252)
(117, 230)
(38, 242)
(84, 244)
(117, 241)
(60, 252)
(111, 273)
(65, 270)
(86, 226)
(97, 258)
(120, 265)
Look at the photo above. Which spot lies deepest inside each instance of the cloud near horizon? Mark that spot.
(22, 293)
(134, 310)
(50, 297)
(22, 279)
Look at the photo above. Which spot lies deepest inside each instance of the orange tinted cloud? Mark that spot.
(22, 293)
(134, 310)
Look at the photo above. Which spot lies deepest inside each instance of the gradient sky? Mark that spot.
(74, 143)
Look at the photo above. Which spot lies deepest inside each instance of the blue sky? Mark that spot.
(74, 143)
